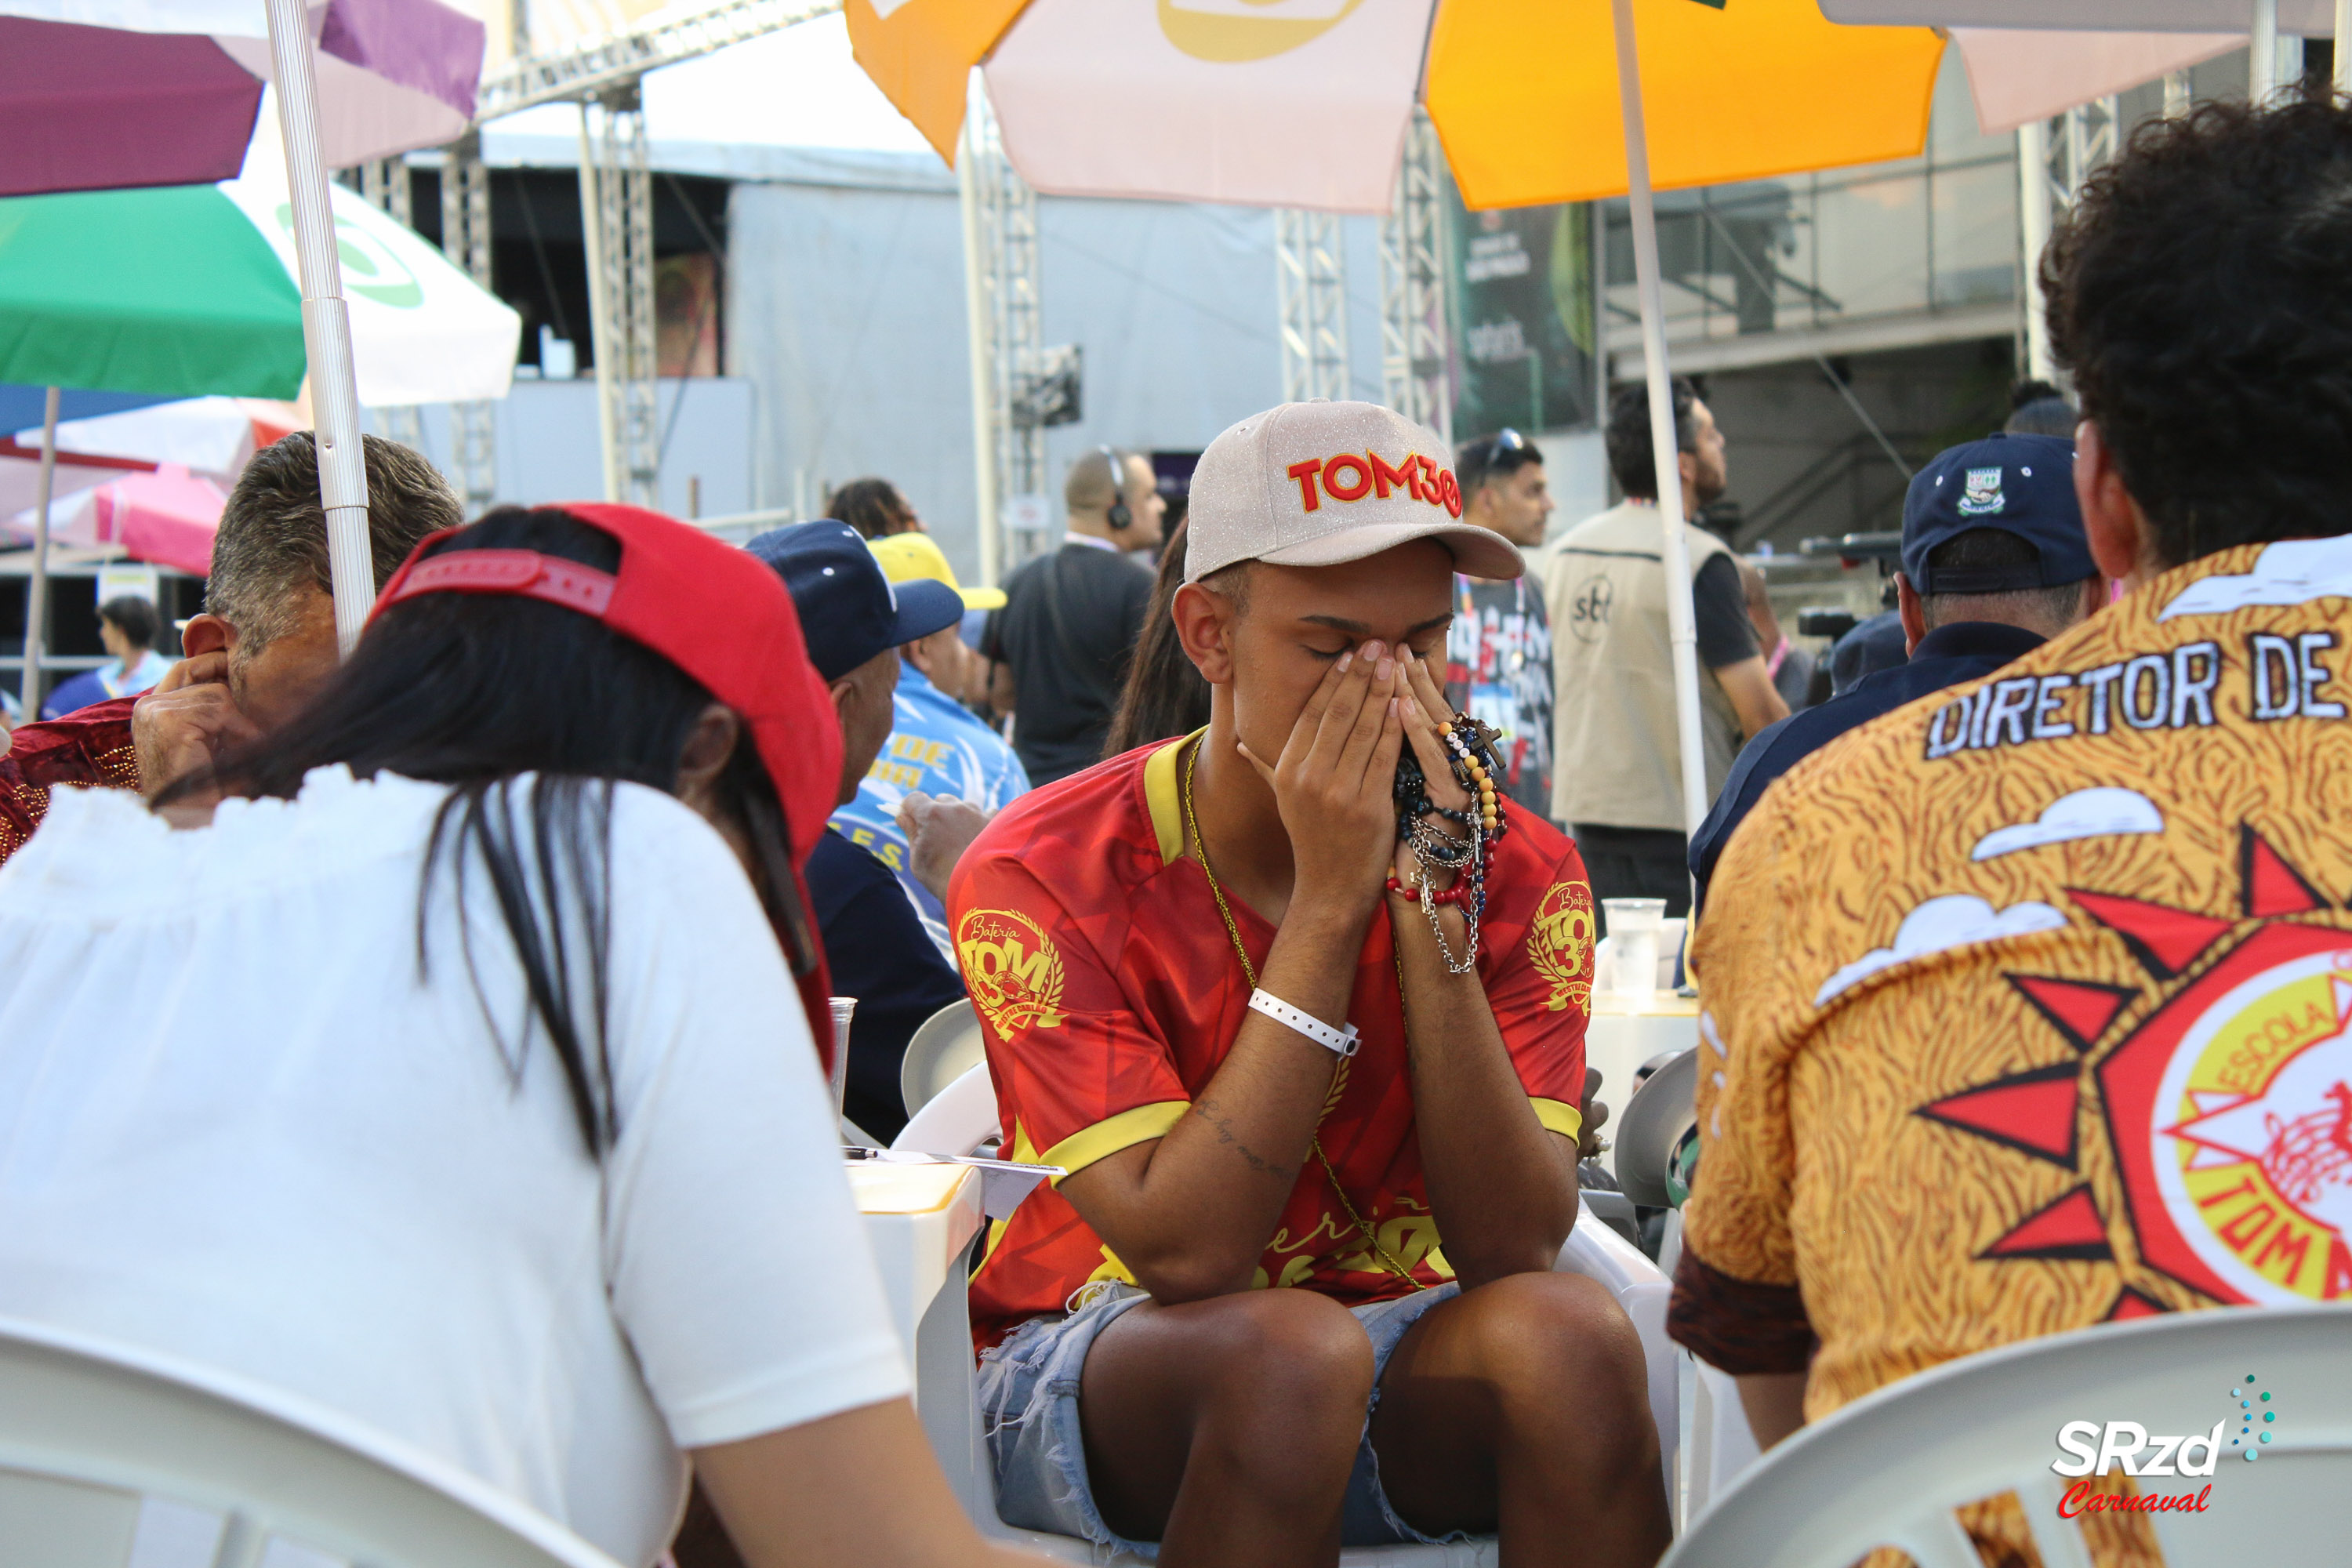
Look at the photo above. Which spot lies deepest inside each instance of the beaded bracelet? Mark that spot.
(1481, 782)
(1457, 894)
(1469, 744)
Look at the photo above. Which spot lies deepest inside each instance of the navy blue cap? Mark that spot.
(849, 611)
(2022, 485)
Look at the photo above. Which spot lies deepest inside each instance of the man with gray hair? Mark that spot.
(263, 646)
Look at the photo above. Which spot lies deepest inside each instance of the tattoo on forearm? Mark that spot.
(1206, 1109)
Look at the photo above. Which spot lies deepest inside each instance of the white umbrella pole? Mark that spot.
(981, 339)
(37, 589)
(325, 326)
(1681, 624)
(2344, 46)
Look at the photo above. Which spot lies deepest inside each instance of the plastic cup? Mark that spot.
(843, 1006)
(1633, 940)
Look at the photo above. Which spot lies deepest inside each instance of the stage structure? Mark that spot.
(385, 184)
(1414, 342)
(1310, 274)
(1002, 294)
(466, 240)
(616, 215)
(2054, 157)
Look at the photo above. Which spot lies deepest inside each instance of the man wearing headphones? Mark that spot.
(1070, 619)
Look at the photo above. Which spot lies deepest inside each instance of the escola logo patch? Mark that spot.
(1982, 493)
(1013, 972)
(1559, 944)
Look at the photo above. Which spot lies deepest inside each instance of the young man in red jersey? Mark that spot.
(1295, 1290)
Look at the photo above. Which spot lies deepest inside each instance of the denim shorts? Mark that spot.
(1028, 1388)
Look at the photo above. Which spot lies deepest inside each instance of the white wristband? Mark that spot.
(1341, 1042)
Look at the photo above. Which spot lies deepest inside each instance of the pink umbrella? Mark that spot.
(168, 517)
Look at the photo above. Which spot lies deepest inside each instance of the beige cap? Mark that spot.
(1315, 484)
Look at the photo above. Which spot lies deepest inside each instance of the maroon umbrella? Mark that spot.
(94, 108)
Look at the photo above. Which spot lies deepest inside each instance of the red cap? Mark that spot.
(720, 615)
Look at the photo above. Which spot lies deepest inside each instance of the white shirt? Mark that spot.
(235, 1127)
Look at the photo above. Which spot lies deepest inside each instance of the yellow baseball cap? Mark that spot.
(916, 557)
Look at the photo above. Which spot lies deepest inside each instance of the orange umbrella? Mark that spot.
(1523, 92)
(1305, 104)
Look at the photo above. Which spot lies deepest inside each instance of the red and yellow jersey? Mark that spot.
(2028, 1007)
(1109, 994)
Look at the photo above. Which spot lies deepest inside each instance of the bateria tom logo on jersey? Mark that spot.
(2094, 1448)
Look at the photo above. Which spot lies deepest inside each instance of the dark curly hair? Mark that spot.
(2202, 293)
(873, 507)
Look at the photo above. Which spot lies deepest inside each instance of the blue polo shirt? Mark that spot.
(938, 747)
(1945, 656)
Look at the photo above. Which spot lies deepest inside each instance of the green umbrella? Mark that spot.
(187, 290)
(170, 290)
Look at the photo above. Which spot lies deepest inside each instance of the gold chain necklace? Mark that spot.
(1249, 971)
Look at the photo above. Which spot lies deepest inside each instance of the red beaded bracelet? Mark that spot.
(1452, 895)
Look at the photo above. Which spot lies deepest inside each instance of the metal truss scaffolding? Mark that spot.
(1311, 291)
(616, 220)
(385, 184)
(619, 60)
(616, 215)
(1000, 298)
(1414, 338)
(2053, 158)
(466, 239)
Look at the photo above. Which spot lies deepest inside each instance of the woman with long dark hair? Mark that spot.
(1164, 695)
(446, 1065)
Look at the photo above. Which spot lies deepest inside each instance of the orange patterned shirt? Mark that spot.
(2028, 1007)
(1109, 994)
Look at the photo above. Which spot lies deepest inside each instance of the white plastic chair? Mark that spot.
(1888, 1469)
(964, 1116)
(111, 1455)
(945, 1046)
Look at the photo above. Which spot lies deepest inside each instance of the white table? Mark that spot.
(919, 1219)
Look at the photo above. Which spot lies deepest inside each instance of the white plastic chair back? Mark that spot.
(1889, 1469)
(111, 1456)
(964, 1116)
(945, 1046)
(956, 1120)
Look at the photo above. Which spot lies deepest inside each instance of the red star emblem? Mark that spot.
(2224, 1106)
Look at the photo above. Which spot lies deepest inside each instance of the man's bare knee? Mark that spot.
(1273, 1387)
(1538, 1337)
(1298, 1350)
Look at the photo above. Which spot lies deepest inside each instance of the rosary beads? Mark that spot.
(1470, 748)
